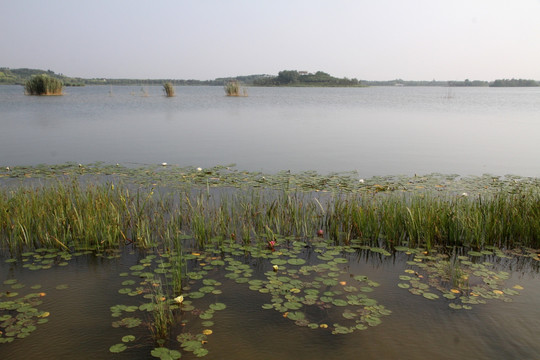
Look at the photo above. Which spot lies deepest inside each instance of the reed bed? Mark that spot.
(70, 215)
(43, 85)
(169, 89)
(233, 88)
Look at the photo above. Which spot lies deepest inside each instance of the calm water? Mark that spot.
(80, 322)
(376, 131)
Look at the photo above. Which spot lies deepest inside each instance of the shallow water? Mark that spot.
(376, 131)
(418, 328)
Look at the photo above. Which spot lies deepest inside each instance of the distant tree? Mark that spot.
(288, 77)
(514, 83)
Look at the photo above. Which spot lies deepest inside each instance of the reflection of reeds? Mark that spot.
(43, 85)
(169, 89)
(233, 88)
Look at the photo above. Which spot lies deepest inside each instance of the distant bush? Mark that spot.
(169, 89)
(43, 85)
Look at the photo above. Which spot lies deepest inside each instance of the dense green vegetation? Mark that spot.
(502, 213)
(195, 238)
(43, 85)
(296, 78)
(514, 83)
(467, 82)
(21, 76)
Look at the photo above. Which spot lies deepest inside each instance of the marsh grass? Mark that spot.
(43, 85)
(162, 316)
(233, 88)
(69, 215)
(168, 88)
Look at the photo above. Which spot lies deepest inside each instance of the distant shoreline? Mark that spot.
(286, 78)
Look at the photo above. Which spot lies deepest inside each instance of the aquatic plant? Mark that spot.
(459, 280)
(43, 85)
(162, 315)
(233, 88)
(67, 215)
(169, 89)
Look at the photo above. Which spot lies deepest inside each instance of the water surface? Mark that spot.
(376, 130)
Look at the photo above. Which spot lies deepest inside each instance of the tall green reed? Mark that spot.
(43, 85)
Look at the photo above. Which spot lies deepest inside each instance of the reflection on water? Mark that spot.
(376, 131)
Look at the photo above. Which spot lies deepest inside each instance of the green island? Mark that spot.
(195, 232)
(284, 78)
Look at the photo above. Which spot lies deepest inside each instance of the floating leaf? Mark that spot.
(118, 348)
(218, 306)
(296, 315)
(295, 261)
(339, 302)
(430, 296)
(292, 305)
(128, 338)
(166, 354)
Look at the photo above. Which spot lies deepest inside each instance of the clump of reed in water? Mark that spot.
(233, 88)
(169, 89)
(43, 85)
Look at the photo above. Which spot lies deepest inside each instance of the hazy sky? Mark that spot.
(371, 40)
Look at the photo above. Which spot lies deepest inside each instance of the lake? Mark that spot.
(310, 297)
(374, 131)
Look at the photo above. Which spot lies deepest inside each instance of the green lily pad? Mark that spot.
(339, 302)
(296, 315)
(296, 261)
(128, 338)
(292, 305)
(166, 354)
(200, 352)
(430, 296)
(218, 306)
(118, 348)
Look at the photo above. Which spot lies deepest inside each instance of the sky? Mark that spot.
(208, 39)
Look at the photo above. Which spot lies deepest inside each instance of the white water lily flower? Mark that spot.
(199, 169)
(361, 181)
(464, 194)
(179, 299)
(163, 164)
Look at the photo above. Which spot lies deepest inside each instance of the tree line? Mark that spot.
(284, 78)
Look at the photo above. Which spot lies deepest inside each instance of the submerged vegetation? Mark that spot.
(43, 85)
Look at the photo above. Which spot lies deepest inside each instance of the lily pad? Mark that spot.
(118, 348)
